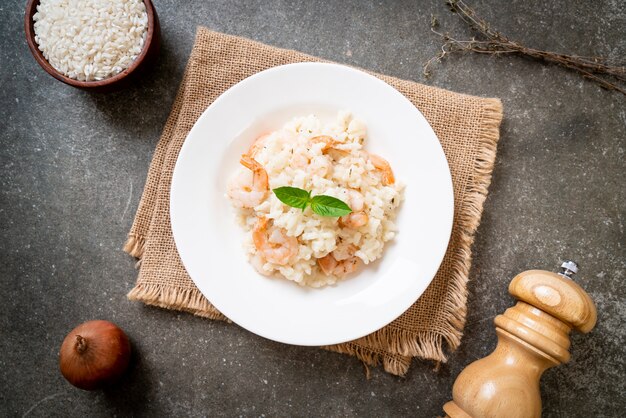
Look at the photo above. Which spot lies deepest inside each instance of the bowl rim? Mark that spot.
(31, 9)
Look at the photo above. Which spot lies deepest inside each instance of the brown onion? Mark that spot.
(94, 355)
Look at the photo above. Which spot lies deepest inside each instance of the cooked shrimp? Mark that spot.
(357, 218)
(382, 165)
(273, 244)
(257, 145)
(330, 144)
(249, 191)
(328, 141)
(354, 220)
(331, 266)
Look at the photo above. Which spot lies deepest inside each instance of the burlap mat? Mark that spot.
(467, 128)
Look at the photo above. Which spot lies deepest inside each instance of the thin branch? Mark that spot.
(492, 42)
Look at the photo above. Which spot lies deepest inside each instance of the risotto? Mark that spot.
(323, 159)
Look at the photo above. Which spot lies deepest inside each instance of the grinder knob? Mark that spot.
(557, 295)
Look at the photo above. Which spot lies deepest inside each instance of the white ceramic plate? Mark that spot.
(210, 242)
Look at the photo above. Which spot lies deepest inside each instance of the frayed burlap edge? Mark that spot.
(188, 300)
(394, 364)
(469, 220)
(429, 344)
(135, 245)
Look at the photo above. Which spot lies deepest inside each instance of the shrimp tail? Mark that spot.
(249, 162)
(259, 178)
(383, 165)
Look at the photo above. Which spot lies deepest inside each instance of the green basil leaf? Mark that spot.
(293, 196)
(329, 206)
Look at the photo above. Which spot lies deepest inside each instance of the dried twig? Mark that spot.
(597, 69)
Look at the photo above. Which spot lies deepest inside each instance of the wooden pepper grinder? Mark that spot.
(532, 337)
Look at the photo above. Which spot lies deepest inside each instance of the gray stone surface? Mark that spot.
(73, 164)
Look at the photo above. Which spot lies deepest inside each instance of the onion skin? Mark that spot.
(94, 355)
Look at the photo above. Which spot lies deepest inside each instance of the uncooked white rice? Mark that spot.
(291, 158)
(90, 39)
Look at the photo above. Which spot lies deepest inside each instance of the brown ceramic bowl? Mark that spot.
(149, 52)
